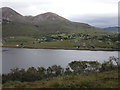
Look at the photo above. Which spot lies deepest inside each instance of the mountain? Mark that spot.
(9, 14)
(49, 17)
(112, 29)
(15, 24)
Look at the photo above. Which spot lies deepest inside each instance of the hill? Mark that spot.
(11, 15)
(15, 24)
(112, 29)
(49, 30)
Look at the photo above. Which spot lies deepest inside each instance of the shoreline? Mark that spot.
(61, 48)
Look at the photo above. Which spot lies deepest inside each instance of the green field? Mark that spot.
(65, 41)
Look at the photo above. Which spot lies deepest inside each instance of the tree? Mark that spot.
(78, 66)
(32, 70)
(110, 65)
(41, 72)
(55, 70)
(49, 71)
(93, 66)
(67, 71)
(15, 74)
(116, 61)
(31, 74)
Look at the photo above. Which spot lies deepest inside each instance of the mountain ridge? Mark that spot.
(15, 24)
(9, 14)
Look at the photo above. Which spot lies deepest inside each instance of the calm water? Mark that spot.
(24, 58)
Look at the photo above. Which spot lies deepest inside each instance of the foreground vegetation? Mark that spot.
(78, 74)
(108, 79)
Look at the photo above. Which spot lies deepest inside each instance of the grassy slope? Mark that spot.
(107, 79)
(24, 33)
(36, 29)
(69, 27)
(18, 29)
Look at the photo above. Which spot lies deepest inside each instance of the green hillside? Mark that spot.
(14, 24)
(18, 29)
(50, 30)
(28, 29)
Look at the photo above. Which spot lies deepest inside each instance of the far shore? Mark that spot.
(62, 48)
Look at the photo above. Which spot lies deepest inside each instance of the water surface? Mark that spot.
(24, 58)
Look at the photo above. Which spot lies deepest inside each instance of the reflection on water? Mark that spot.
(24, 58)
(4, 50)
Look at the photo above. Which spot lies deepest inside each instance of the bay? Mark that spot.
(25, 58)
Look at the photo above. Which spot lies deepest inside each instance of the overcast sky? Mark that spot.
(100, 13)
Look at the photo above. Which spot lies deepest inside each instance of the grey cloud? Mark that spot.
(24, 8)
(98, 21)
(35, 7)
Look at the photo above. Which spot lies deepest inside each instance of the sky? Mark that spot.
(99, 13)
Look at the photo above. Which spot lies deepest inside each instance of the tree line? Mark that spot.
(73, 68)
